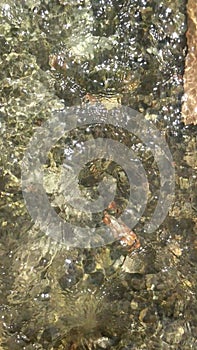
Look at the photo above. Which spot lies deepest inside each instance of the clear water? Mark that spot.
(58, 54)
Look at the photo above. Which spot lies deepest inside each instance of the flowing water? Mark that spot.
(57, 55)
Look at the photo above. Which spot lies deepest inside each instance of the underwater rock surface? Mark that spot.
(189, 108)
(58, 53)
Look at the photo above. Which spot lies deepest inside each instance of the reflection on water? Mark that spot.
(62, 53)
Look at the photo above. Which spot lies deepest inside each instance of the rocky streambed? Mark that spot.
(55, 55)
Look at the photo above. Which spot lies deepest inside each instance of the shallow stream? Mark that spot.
(96, 293)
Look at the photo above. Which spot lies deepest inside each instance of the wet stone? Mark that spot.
(174, 333)
(96, 278)
(70, 279)
(49, 334)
